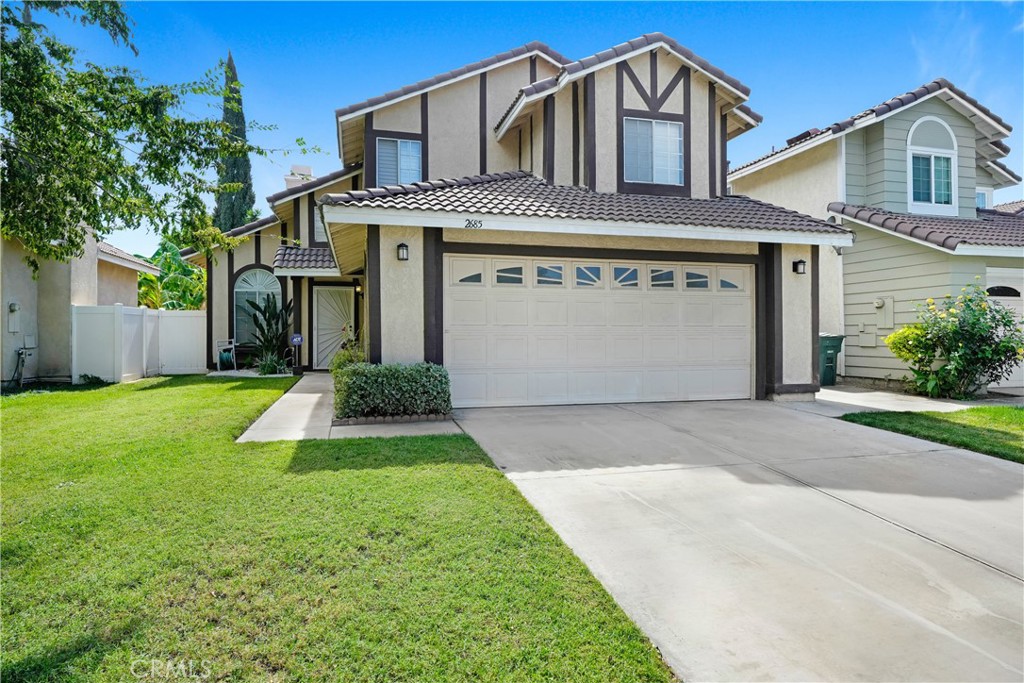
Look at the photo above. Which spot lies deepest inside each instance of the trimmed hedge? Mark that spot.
(370, 390)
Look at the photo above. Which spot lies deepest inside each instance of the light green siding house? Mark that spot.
(914, 179)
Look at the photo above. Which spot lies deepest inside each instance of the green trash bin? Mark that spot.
(829, 346)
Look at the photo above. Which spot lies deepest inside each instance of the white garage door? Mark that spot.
(523, 331)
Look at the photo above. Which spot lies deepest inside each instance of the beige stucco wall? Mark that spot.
(807, 183)
(401, 295)
(699, 180)
(605, 130)
(17, 287)
(563, 137)
(403, 116)
(596, 241)
(116, 285)
(502, 85)
(797, 339)
(454, 114)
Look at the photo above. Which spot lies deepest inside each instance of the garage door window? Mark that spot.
(588, 276)
(550, 274)
(626, 277)
(731, 279)
(467, 272)
(662, 278)
(508, 274)
(698, 278)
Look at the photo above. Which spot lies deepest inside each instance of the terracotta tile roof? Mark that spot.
(534, 46)
(612, 53)
(889, 105)
(297, 258)
(240, 231)
(1016, 207)
(519, 193)
(314, 183)
(989, 229)
(132, 261)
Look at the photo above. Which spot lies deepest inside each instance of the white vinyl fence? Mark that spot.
(120, 343)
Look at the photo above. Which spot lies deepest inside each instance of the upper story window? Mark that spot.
(983, 197)
(398, 161)
(931, 168)
(652, 151)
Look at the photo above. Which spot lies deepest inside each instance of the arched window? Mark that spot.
(1003, 291)
(256, 285)
(931, 168)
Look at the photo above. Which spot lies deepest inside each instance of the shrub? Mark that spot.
(350, 351)
(271, 325)
(368, 390)
(959, 345)
(271, 364)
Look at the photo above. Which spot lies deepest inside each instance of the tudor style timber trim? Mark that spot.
(433, 295)
(575, 134)
(231, 294)
(482, 123)
(654, 102)
(210, 361)
(590, 135)
(549, 139)
(712, 142)
(373, 292)
(815, 313)
(723, 161)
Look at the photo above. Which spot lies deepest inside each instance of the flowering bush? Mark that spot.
(959, 345)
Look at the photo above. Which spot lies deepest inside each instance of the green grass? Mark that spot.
(995, 430)
(134, 528)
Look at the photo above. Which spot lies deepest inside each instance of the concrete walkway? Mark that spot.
(755, 542)
(842, 399)
(307, 410)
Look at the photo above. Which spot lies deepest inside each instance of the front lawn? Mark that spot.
(995, 430)
(137, 534)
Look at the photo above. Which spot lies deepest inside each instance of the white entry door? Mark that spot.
(526, 331)
(333, 322)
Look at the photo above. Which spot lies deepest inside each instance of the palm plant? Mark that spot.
(270, 324)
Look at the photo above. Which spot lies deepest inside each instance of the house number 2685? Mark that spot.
(471, 223)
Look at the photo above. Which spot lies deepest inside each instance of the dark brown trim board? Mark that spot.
(575, 133)
(777, 328)
(284, 233)
(231, 294)
(815, 313)
(210, 363)
(661, 99)
(687, 137)
(589, 140)
(761, 323)
(723, 159)
(712, 165)
(532, 139)
(549, 139)
(539, 251)
(256, 248)
(282, 282)
(297, 218)
(311, 222)
(308, 343)
(297, 311)
(796, 388)
(424, 137)
(769, 305)
(654, 80)
(533, 69)
(433, 295)
(372, 291)
(483, 122)
(623, 68)
(369, 152)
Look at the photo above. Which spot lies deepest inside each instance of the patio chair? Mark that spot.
(226, 354)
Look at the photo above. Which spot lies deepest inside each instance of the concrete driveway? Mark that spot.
(755, 542)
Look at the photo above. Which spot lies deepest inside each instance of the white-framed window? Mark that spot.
(626, 277)
(398, 161)
(588, 275)
(549, 274)
(696, 278)
(661, 277)
(732, 279)
(932, 168)
(652, 151)
(983, 197)
(509, 273)
(467, 272)
(256, 285)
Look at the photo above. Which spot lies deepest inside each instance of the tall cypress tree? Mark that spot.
(234, 208)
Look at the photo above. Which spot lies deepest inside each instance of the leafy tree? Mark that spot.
(234, 208)
(180, 285)
(88, 145)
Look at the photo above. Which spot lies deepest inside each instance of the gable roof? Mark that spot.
(815, 136)
(533, 47)
(574, 70)
(523, 195)
(111, 254)
(314, 183)
(958, 235)
(1016, 207)
(240, 231)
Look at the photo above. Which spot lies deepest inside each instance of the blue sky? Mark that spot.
(807, 64)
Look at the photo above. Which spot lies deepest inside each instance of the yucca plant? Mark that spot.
(271, 324)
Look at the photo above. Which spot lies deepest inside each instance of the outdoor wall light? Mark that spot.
(800, 267)
(403, 252)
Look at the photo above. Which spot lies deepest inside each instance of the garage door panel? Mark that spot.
(524, 342)
(508, 349)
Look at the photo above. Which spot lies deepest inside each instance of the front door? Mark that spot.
(333, 322)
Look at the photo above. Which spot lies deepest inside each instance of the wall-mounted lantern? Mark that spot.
(800, 267)
(403, 252)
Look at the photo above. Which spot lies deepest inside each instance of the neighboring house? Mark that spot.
(37, 311)
(579, 247)
(913, 178)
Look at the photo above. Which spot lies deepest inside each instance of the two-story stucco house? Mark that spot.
(913, 179)
(552, 231)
